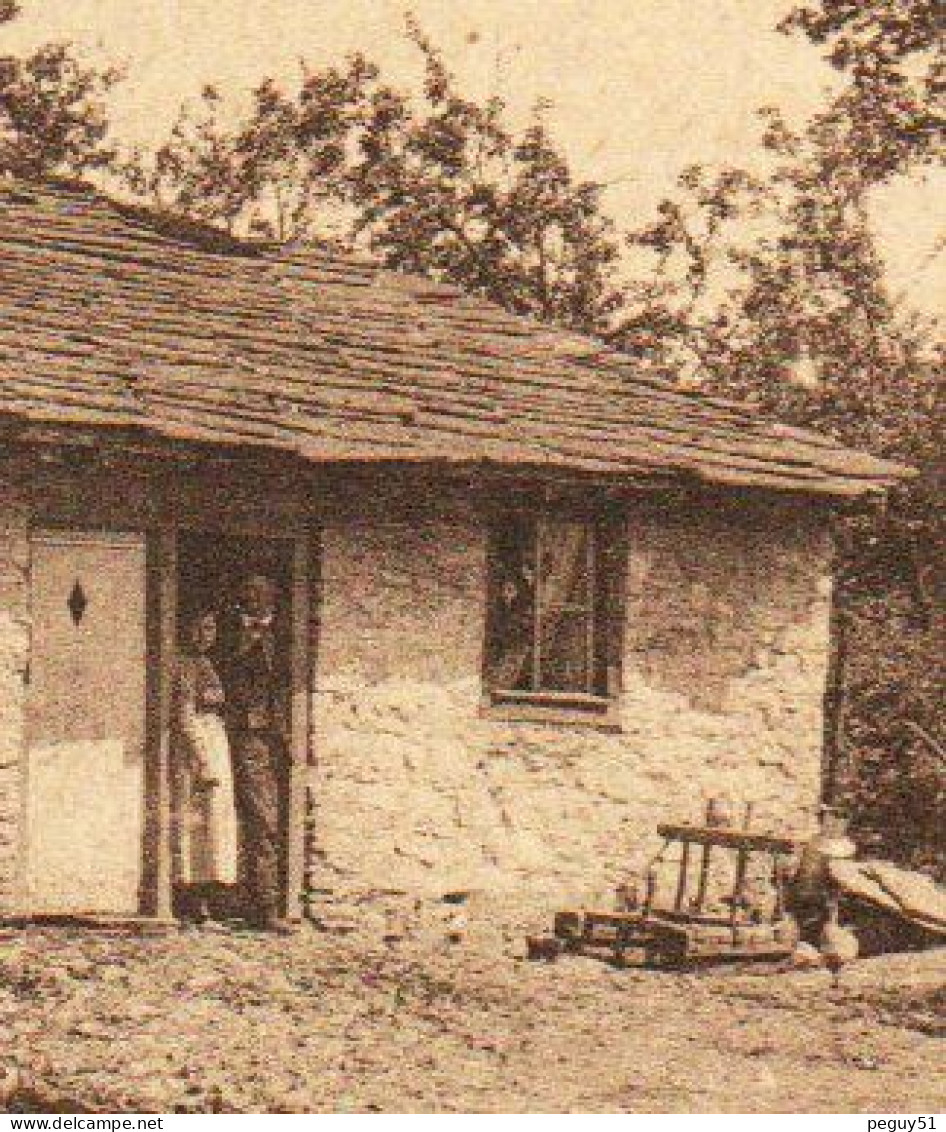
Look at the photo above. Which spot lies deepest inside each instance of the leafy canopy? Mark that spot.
(53, 117)
(439, 184)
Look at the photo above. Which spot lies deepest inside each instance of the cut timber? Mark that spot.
(107, 925)
(630, 938)
(687, 932)
(727, 838)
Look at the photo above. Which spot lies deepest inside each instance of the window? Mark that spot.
(555, 611)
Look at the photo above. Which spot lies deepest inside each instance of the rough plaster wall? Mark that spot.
(416, 792)
(14, 645)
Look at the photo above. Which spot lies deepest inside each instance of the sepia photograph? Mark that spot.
(472, 557)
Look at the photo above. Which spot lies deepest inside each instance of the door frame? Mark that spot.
(167, 498)
(162, 591)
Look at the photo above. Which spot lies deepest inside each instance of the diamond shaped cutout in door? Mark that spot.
(77, 603)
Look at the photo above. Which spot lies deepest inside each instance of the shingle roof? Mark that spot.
(113, 316)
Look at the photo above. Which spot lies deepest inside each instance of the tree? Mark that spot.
(773, 284)
(53, 117)
(888, 119)
(890, 113)
(438, 185)
(281, 172)
(771, 287)
(450, 190)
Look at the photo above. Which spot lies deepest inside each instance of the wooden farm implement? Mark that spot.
(688, 928)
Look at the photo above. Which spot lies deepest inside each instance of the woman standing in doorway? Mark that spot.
(209, 853)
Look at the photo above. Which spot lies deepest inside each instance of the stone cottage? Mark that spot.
(536, 597)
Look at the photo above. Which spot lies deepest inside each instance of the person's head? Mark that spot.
(259, 595)
(203, 631)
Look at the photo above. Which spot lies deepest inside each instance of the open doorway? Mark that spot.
(214, 569)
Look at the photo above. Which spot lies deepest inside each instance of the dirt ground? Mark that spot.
(194, 1021)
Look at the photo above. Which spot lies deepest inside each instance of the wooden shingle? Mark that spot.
(114, 316)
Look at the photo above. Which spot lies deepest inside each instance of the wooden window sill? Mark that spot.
(569, 709)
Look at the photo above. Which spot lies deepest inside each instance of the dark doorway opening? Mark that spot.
(213, 567)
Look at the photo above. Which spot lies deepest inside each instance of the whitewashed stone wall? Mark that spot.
(417, 792)
(14, 651)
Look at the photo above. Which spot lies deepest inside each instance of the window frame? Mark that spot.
(606, 548)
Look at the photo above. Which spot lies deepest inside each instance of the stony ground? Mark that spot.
(193, 1021)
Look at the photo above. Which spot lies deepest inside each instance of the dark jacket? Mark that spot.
(254, 681)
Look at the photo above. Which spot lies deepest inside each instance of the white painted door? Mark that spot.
(85, 766)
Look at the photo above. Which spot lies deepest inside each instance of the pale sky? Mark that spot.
(639, 88)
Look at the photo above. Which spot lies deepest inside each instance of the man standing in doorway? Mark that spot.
(257, 722)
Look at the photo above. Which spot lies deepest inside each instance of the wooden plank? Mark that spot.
(739, 885)
(310, 860)
(727, 838)
(682, 879)
(834, 770)
(690, 918)
(156, 897)
(703, 882)
(299, 730)
(91, 497)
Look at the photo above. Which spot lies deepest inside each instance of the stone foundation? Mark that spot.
(418, 792)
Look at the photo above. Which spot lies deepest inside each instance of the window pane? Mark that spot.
(513, 613)
(565, 578)
(565, 588)
(546, 608)
(564, 652)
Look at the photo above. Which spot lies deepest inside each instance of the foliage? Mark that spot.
(891, 52)
(277, 173)
(770, 286)
(888, 118)
(439, 185)
(894, 727)
(53, 117)
(452, 191)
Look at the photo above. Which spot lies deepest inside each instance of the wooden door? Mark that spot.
(86, 734)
